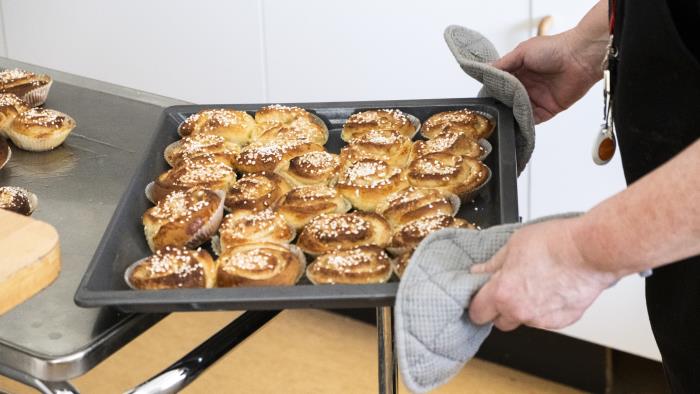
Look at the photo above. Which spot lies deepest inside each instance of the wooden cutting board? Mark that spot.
(30, 258)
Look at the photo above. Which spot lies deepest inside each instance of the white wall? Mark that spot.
(212, 51)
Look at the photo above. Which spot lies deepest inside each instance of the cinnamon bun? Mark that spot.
(30, 87)
(260, 264)
(242, 227)
(235, 126)
(39, 129)
(454, 142)
(256, 192)
(412, 203)
(204, 171)
(273, 155)
(369, 181)
(303, 203)
(312, 168)
(386, 145)
(447, 172)
(401, 262)
(196, 145)
(407, 237)
(380, 119)
(329, 232)
(473, 124)
(184, 218)
(172, 268)
(18, 200)
(360, 265)
(10, 107)
(308, 128)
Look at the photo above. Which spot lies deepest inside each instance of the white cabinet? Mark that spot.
(564, 179)
(201, 51)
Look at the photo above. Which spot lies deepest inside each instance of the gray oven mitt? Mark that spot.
(473, 52)
(434, 336)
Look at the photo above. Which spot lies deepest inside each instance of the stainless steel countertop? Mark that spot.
(78, 185)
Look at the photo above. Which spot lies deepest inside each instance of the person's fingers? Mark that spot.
(504, 323)
(493, 265)
(511, 61)
(482, 308)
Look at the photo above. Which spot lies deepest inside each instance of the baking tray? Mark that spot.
(123, 242)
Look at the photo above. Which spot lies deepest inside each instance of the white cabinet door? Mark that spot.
(202, 51)
(369, 50)
(564, 179)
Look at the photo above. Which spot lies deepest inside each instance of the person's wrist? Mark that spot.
(593, 256)
(587, 50)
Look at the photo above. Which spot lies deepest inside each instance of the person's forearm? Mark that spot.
(654, 222)
(588, 41)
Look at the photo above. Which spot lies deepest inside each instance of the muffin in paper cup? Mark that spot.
(40, 130)
(37, 96)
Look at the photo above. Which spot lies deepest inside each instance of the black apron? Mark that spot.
(657, 114)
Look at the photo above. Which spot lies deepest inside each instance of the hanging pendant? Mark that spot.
(604, 146)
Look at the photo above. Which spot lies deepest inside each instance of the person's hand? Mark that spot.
(540, 279)
(556, 70)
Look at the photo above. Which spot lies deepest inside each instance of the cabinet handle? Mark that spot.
(544, 25)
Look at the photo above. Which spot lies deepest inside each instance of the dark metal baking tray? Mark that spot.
(123, 242)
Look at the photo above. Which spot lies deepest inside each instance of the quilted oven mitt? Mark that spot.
(474, 52)
(434, 336)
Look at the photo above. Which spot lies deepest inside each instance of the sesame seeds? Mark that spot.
(173, 261)
(42, 117)
(181, 206)
(333, 227)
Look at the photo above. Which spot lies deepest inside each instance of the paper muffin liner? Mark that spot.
(5, 152)
(38, 144)
(209, 229)
(38, 95)
(395, 265)
(168, 152)
(302, 260)
(486, 145)
(415, 122)
(149, 192)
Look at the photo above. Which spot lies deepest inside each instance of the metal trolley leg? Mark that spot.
(180, 374)
(387, 357)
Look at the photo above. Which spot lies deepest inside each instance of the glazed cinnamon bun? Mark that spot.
(408, 236)
(256, 192)
(260, 264)
(303, 203)
(198, 144)
(30, 87)
(447, 172)
(10, 107)
(380, 119)
(184, 218)
(412, 203)
(360, 265)
(386, 145)
(204, 171)
(368, 181)
(329, 232)
(242, 227)
(235, 126)
(18, 200)
(39, 129)
(473, 124)
(454, 142)
(401, 262)
(312, 168)
(273, 156)
(172, 268)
